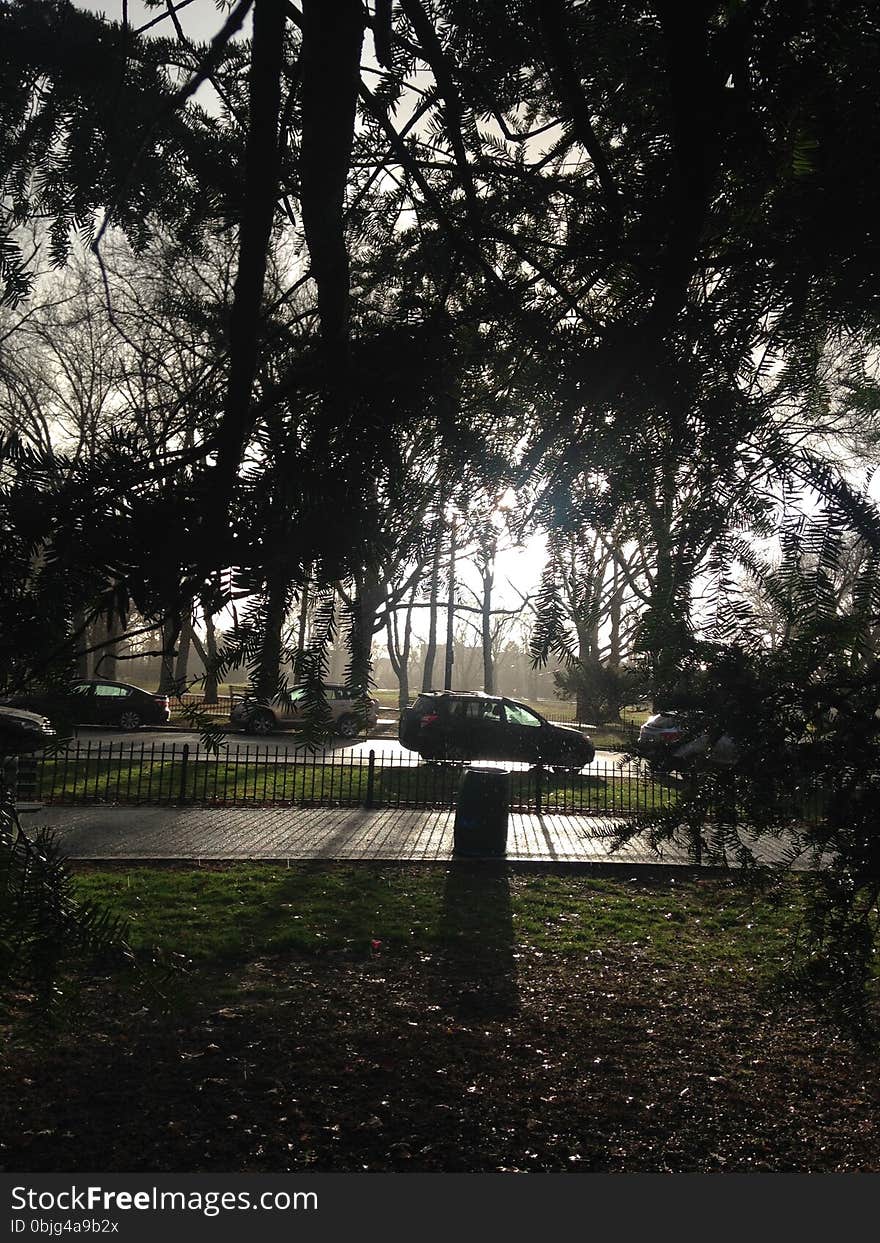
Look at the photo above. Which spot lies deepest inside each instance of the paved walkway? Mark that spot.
(280, 833)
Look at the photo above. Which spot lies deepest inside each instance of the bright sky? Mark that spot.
(200, 20)
(517, 570)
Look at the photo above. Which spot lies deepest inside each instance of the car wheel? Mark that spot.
(130, 720)
(261, 723)
(455, 753)
(348, 726)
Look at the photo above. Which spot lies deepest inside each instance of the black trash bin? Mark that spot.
(481, 813)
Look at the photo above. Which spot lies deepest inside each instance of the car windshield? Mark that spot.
(518, 715)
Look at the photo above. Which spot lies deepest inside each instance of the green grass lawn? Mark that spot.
(242, 910)
(159, 776)
(468, 1017)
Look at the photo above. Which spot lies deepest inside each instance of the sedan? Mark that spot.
(98, 702)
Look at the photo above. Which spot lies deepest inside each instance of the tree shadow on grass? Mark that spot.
(477, 976)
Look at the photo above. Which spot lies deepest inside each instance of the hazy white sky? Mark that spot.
(200, 20)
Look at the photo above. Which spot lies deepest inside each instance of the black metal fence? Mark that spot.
(171, 773)
(221, 708)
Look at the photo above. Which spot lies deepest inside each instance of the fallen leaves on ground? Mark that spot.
(443, 1063)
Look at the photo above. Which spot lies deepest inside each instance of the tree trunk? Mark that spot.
(83, 657)
(209, 658)
(398, 654)
(182, 665)
(488, 658)
(369, 594)
(212, 661)
(105, 657)
(615, 611)
(450, 611)
(667, 627)
(170, 631)
(261, 172)
(303, 619)
(431, 649)
(467, 660)
(403, 681)
(268, 670)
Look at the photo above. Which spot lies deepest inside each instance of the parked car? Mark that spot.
(22, 731)
(470, 725)
(349, 715)
(677, 740)
(97, 701)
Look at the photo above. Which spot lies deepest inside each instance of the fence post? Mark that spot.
(371, 778)
(184, 764)
(9, 775)
(26, 783)
(697, 827)
(539, 774)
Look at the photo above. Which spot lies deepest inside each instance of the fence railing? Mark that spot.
(168, 772)
(221, 708)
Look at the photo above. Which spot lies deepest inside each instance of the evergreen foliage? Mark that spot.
(43, 926)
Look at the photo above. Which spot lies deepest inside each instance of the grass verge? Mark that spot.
(160, 776)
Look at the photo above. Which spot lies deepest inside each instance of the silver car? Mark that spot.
(669, 739)
(349, 714)
(22, 731)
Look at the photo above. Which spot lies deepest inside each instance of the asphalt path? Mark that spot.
(287, 744)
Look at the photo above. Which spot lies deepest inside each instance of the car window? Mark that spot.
(81, 688)
(476, 710)
(114, 692)
(518, 715)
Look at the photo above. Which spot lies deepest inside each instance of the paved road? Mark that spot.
(286, 743)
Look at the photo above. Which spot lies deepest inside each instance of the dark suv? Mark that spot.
(468, 725)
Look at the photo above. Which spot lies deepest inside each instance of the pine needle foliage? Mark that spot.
(804, 716)
(44, 928)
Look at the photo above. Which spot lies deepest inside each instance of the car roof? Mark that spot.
(459, 694)
(301, 686)
(129, 686)
(328, 686)
(11, 711)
